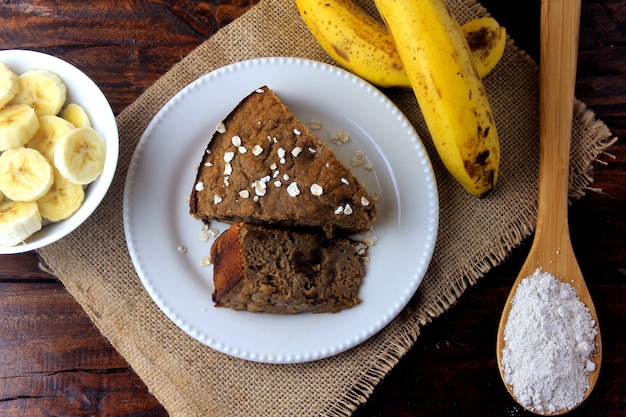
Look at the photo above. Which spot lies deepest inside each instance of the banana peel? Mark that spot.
(487, 41)
(448, 88)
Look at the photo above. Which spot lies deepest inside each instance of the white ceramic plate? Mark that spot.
(83, 91)
(157, 220)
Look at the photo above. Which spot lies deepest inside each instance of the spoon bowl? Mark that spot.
(551, 249)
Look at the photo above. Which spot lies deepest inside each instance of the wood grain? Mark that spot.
(552, 249)
(53, 362)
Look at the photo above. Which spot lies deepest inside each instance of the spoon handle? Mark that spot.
(560, 21)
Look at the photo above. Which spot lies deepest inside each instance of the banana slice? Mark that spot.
(43, 90)
(25, 174)
(79, 155)
(1, 196)
(76, 115)
(51, 128)
(9, 85)
(63, 199)
(18, 221)
(18, 124)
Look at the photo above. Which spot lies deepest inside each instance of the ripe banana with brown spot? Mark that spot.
(355, 40)
(487, 40)
(447, 86)
(364, 46)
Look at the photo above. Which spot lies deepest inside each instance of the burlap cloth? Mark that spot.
(190, 379)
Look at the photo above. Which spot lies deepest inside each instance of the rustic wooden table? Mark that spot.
(54, 362)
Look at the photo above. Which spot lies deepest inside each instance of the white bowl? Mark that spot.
(84, 92)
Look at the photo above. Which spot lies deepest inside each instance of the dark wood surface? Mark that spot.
(54, 362)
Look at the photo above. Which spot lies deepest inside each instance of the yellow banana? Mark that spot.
(355, 40)
(364, 46)
(449, 91)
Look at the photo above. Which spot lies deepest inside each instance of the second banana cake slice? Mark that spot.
(267, 269)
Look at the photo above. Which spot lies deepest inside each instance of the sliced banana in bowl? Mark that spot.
(59, 149)
(25, 174)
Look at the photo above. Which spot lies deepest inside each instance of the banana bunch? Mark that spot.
(364, 46)
(448, 88)
(48, 153)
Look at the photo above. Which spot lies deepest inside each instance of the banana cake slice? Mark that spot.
(267, 269)
(264, 166)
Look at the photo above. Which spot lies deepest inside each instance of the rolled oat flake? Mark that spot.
(549, 339)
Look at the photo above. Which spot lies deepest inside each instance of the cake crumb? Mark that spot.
(358, 159)
(315, 124)
(340, 137)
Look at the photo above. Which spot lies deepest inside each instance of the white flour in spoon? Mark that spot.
(549, 339)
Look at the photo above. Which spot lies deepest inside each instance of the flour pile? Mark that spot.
(549, 340)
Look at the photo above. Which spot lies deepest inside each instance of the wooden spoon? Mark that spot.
(551, 248)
